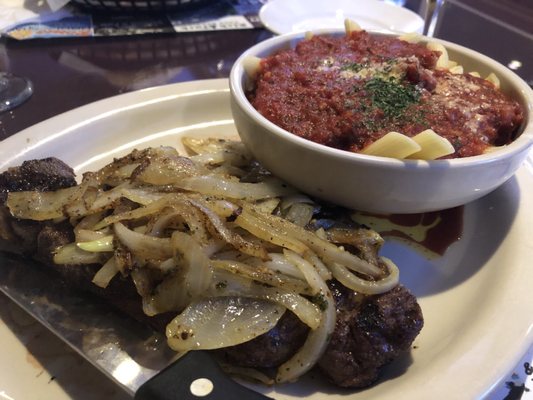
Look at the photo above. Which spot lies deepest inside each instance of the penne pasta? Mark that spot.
(491, 149)
(443, 61)
(432, 146)
(308, 35)
(366, 87)
(494, 79)
(475, 73)
(452, 64)
(351, 26)
(393, 145)
(251, 66)
(458, 69)
(411, 37)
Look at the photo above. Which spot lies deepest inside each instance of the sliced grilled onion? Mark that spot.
(137, 213)
(318, 339)
(367, 241)
(306, 268)
(266, 206)
(40, 206)
(200, 239)
(298, 209)
(100, 245)
(106, 273)
(249, 220)
(73, 255)
(316, 342)
(230, 236)
(227, 284)
(300, 213)
(269, 226)
(297, 198)
(352, 281)
(262, 274)
(106, 200)
(321, 268)
(165, 167)
(279, 263)
(143, 246)
(217, 322)
(219, 186)
(181, 211)
(217, 151)
(191, 279)
(88, 235)
(169, 295)
(199, 272)
(142, 196)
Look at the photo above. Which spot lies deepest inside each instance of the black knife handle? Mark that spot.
(174, 382)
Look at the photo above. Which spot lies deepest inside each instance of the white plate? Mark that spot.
(284, 16)
(476, 299)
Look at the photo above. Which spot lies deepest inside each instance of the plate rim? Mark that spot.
(93, 111)
(207, 86)
(275, 28)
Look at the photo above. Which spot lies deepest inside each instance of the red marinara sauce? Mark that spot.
(348, 91)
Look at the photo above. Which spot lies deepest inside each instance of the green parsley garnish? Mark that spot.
(391, 96)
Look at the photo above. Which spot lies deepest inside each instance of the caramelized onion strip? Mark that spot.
(189, 281)
(263, 275)
(105, 274)
(196, 235)
(230, 236)
(256, 226)
(213, 185)
(317, 340)
(325, 250)
(143, 246)
(40, 206)
(228, 284)
(306, 268)
(199, 325)
(279, 263)
(71, 254)
(352, 281)
(150, 209)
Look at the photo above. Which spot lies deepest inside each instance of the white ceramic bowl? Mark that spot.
(379, 184)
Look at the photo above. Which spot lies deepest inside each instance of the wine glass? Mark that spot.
(430, 13)
(14, 90)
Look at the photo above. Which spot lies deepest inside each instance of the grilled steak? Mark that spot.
(371, 331)
(270, 349)
(20, 236)
(41, 239)
(44, 175)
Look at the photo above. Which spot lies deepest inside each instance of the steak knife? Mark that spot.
(133, 355)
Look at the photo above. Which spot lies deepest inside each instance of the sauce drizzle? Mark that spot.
(434, 231)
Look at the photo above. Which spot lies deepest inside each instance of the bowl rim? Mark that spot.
(525, 140)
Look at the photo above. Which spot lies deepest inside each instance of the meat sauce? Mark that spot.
(346, 92)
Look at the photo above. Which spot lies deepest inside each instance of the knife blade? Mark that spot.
(130, 353)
